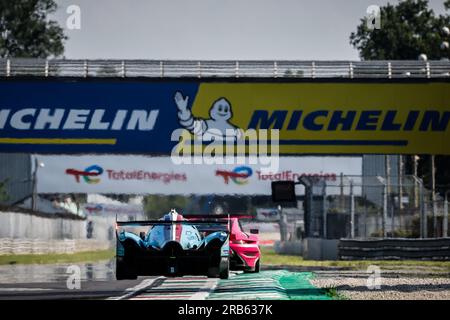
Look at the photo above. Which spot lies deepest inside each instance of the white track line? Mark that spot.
(205, 290)
(25, 289)
(136, 289)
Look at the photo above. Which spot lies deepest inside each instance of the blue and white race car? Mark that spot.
(173, 246)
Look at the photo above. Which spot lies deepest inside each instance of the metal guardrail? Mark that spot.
(394, 249)
(225, 69)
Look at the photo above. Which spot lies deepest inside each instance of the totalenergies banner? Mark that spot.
(140, 117)
(159, 175)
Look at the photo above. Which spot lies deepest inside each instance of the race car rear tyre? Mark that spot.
(213, 272)
(257, 266)
(253, 270)
(224, 268)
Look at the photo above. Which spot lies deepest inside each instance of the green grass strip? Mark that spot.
(269, 257)
(88, 256)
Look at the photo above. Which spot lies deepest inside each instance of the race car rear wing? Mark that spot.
(206, 225)
(162, 222)
(219, 216)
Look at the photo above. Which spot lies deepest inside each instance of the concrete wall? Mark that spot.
(24, 225)
(289, 247)
(22, 233)
(309, 248)
(320, 249)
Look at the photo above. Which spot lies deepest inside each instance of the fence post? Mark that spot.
(161, 69)
(365, 216)
(86, 68)
(324, 209)
(8, 68)
(46, 68)
(352, 211)
(385, 204)
(275, 69)
(124, 72)
(423, 214)
(445, 220)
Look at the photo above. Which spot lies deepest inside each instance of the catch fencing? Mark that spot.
(373, 207)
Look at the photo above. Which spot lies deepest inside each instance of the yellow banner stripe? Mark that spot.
(56, 141)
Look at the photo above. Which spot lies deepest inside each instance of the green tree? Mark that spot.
(155, 206)
(27, 32)
(408, 29)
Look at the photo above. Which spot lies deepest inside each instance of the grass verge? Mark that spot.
(88, 256)
(333, 293)
(269, 257)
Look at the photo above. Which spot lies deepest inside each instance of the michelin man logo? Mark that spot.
(218, 127)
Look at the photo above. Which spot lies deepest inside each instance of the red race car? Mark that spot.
(244, 248)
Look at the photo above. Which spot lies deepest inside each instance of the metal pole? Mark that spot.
(85, 68)
(423, 214)
(161, 69)
(352, 211)
(341, 185)
(283, 224)
(387, 168)
(433, 195)
(416, 191)
(392, 218)
(46, 68)
(8, 67)
(34, 192)
(384, 217)
(124, 72)
(324, 209)
(400, 184)
(365, 216)
(445, 220)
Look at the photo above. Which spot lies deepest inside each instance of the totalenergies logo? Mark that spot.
(87, 174)
(239, 175)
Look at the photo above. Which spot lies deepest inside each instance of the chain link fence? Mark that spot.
(373, 207)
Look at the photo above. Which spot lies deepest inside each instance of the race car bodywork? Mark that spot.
(173, 246)
(244, 248)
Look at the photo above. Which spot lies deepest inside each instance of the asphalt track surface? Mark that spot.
(43, 282)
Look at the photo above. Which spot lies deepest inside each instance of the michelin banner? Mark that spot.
(159, 175)
(139, 117)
